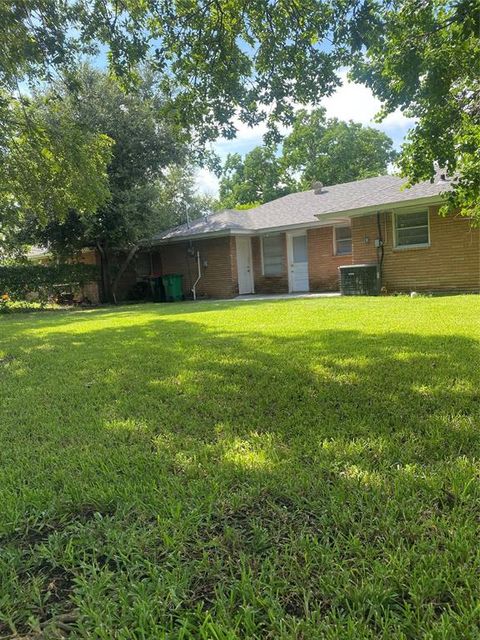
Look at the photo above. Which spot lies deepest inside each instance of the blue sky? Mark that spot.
(350, 102)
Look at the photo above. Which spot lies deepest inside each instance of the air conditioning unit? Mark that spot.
(359, 280)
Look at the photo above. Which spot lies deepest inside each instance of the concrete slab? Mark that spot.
(283, 296)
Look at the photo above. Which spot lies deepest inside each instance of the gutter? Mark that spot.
(387, 206)
(244, 232)
(200, 236)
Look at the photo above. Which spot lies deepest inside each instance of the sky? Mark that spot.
(351, 101)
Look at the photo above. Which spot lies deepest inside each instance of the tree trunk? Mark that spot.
(122, 270)
(105, 273)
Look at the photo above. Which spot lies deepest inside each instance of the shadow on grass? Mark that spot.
(237, 479)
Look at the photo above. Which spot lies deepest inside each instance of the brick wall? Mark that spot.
(219, 277)
(451, 262)
(268, 284)
(322, 263)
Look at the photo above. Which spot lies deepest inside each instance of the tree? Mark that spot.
(143, 149)
(177, 200)
(255, 179)
(213, 62)
(424, 58)
(49, 164)
(217, 61)
(317, 148)
(333, 151)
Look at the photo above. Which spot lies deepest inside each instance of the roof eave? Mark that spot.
(198, 236)
(320, 220)
(292, 227)
(387, 206)
(238, 232)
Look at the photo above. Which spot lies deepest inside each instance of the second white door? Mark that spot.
(244, 265)
(298, 262)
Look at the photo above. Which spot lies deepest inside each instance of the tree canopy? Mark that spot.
(424, 58)
(333, 151)
(316, 149)
(142, 152)
(217, 61)
(253, 180)
(49, 163)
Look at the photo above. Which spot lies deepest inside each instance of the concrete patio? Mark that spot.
(283, 296)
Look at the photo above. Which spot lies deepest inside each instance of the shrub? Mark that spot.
(17, 281)
(22, 306)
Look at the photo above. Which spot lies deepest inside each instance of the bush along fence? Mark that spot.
(44, 282)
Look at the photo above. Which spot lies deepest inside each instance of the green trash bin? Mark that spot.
(173, 285)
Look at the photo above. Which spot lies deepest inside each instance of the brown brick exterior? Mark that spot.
(450, 263)
(219, 277)
(322, 262)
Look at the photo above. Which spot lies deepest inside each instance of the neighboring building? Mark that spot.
(297, 243)
(89, 292)
(41, 255)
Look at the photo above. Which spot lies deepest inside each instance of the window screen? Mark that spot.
(411, 229)
(343, 240)
(273, 250)
(299, 248)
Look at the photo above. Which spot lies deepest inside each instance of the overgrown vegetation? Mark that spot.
(150, 183)
(292, 469)
(19, 280)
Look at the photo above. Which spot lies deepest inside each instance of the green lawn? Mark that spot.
(296, 469)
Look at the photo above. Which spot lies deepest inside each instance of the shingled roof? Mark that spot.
(310, 208)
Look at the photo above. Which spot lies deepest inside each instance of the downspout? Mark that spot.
(380, 252)
(194, 288)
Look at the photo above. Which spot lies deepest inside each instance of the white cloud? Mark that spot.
(351, 102)
(245, 132)
(356, 102)
(396, 119)
(207, 182)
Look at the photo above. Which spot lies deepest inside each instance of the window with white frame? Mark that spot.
(273, 248)
(342, 240)
(411, 229)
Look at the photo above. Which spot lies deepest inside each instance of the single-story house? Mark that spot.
(298, 242)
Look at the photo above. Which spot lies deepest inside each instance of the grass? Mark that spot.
(296, 469)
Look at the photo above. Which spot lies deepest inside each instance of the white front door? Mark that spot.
(297, 262)
(244, 265)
